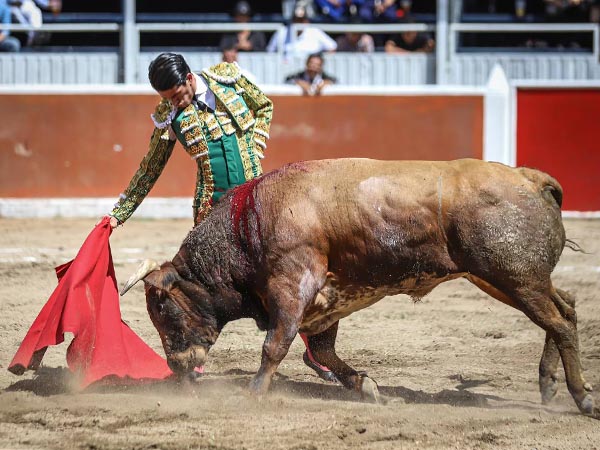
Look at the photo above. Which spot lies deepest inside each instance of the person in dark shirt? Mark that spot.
(371, 11)
(312, 79)
(355, 42)
(338, 10)
(409, 41)
(245, 40)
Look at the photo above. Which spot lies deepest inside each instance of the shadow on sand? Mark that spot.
(53, 381)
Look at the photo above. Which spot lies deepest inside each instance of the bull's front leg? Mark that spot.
(275, 347)
(285, 315)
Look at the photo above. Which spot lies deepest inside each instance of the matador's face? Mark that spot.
(181, 96)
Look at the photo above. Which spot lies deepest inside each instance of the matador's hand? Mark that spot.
(114, 223)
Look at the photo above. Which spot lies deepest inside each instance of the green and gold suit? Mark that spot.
(226, 143)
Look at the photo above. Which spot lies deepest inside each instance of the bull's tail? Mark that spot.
(550, 189)
(552, 192)
(570, 243)
(555, 191)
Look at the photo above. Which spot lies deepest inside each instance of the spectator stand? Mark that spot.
(472, 65)
(454, 61)
(375, 68)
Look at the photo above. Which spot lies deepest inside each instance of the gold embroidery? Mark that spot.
(238, 108)
(226, 73)
(163, 114)
(207, 191)
(213, 126)
(224, 119)
(245, 121)
(150, 168)
(191, 129)
(259, 140)
(228, 128)
(200, 147)
(243, 146)
(193, 135)
(262, 128)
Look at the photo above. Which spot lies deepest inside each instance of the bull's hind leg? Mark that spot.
(323, 347)
(549, 311)
(554, 312)
(551, 356)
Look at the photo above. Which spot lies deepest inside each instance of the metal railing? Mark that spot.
(456, 28)
(66, 27)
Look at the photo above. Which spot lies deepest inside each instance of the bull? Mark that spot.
(304, 246)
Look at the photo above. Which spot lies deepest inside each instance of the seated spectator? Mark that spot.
(245, 40)
(378, 11)
(571, 10)
(404, 9)
(309, 7)
(8, 43)
(338, 10)
(355, 42)
(29, 12)
(309, 40)
(230, 55)
(409, 41)
(312, 79)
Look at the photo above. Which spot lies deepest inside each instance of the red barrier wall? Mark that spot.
(557, 132)
(77, 145)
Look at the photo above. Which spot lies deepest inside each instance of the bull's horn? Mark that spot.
(147, 266)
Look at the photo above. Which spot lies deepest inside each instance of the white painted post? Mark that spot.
(130, 43)
(496, 119)
(441, 42)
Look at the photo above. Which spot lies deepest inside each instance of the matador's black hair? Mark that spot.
(167, 70)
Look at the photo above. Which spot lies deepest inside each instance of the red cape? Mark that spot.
(86, 303)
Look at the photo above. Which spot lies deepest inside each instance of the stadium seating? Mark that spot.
(86, 53)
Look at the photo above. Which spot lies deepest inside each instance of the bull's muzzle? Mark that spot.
(184, 362)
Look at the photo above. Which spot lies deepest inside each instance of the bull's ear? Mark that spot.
(163, 278)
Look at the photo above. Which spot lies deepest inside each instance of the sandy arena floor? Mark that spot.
(459, 367)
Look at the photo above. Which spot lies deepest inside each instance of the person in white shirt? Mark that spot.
(29, 12)
(309, 41)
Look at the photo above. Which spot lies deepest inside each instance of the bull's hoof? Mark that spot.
(370, 392)
(548, 389)
(548, 393)
(586, 406)
(257, 387)
(594, 414)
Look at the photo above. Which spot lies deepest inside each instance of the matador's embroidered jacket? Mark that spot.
(226, 143)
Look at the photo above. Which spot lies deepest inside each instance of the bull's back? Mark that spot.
(416, 212)
(338, 181)
(349, 191)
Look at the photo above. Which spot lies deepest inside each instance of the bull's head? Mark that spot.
(181, 312)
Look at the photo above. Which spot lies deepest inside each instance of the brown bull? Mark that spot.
(305, 246)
